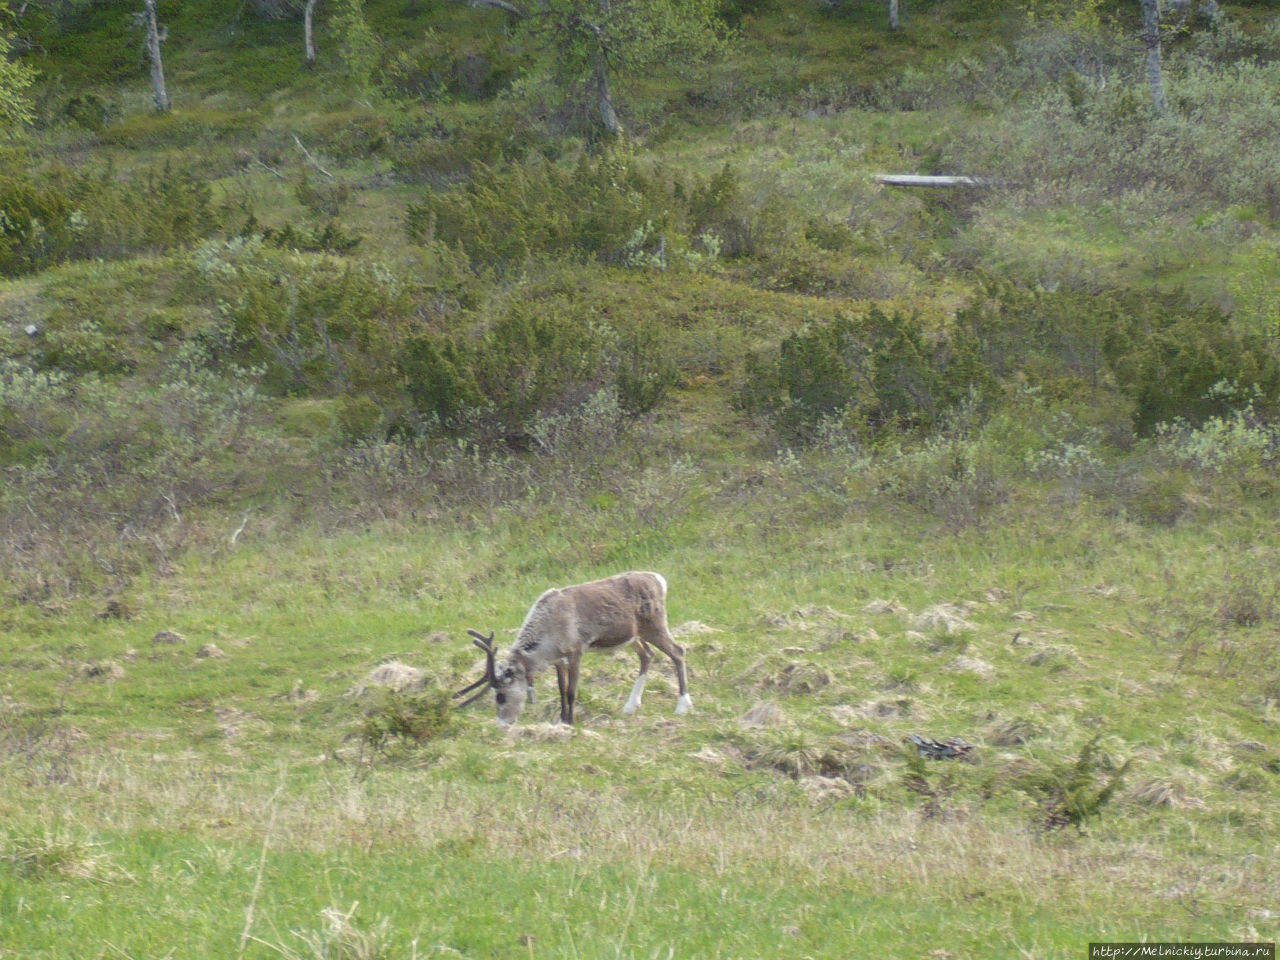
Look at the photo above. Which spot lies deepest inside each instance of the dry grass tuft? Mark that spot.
(979, 668)
(875, 710)
(945, 618)
(1054, 658)
(692, 628)
(799, 677)
(1164, 793)
(101, 670)
(58, 853)
(341, 938)
(542, 732)
(884, 606)
(1014, 732)
(820, 789)
(766, 713)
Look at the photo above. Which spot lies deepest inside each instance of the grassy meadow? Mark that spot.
(310, 375)
(161, 802)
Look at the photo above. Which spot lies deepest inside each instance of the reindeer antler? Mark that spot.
(490, 669)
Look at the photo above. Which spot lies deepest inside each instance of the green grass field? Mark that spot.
(162, 803)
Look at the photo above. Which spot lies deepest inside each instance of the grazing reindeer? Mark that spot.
(563, 623)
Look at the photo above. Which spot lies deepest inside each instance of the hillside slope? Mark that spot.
(321, 368)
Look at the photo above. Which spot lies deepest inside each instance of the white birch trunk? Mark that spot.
(1151, 40)
(153, 53)
(308, 36)
(604, 95)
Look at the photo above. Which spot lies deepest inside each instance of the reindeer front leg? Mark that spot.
(568, 677)
(561, 682)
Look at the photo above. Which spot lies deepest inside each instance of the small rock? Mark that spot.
(393, 675)
(168, 636)
(210, 651)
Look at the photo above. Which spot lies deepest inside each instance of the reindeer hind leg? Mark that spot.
(637, 690)
(661, 638)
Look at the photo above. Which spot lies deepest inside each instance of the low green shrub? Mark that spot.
(61, 215)
(530, 364)
(1071, 792)
(879, 370)
(323, 327)
(402, 719)
(176, 128)
(608, 208)
(1155, 350)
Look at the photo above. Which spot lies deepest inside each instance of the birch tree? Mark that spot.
(599, 42)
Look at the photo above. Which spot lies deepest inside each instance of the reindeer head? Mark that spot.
(508, 680)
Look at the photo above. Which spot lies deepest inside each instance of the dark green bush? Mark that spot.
(532, 362)
(606, 208)
(646, 370)
(62, 215)
(504, 216)
(315, 326)
(33, 219)
(1194, 367)
(1170, 358)
(449, 66)
(882, 370)
(1070, 792)
(428, 149)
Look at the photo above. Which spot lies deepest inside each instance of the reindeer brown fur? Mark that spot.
(565, 622)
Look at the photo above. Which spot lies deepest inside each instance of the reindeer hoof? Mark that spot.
(684, 704)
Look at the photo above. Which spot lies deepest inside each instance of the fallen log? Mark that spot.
(922, 180)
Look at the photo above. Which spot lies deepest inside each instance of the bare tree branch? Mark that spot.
(310, 159)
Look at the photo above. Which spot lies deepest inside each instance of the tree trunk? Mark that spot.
(604, 95)
(154, 38)
(1151, 40)
(894, 22)
(308, 37)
